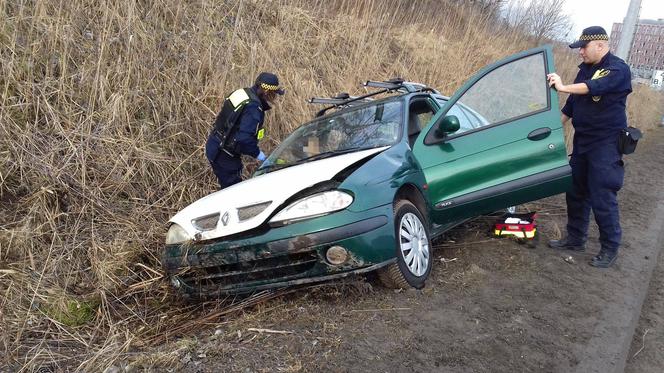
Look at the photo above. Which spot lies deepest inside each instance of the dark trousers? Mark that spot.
(227, 168)
(597, 176)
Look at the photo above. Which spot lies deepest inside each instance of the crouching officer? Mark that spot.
(596, 105)
(239, 127)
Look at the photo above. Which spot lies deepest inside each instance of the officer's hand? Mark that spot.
(554, 80)
(261, 156)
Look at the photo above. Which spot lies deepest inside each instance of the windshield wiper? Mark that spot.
(269, 167)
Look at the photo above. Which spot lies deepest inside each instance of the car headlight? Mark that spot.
(176, 234)
(313, 206)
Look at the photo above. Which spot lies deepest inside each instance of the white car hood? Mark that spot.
(276, 186)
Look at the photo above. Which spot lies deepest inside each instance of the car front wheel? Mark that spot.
(413, 249)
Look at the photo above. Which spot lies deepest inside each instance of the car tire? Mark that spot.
(413, 263)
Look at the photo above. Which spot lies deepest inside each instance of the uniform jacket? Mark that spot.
(599, 116)
(244, 136)
(251, 122)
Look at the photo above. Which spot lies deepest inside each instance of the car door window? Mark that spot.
(511, 91)
(467, 121)
(474, 118)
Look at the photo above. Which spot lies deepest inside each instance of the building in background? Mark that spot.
(646, 55)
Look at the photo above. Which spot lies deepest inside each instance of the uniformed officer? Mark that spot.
(238, 128)
(596, 105)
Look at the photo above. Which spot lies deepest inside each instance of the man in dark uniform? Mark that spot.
(238, 128)
(596, 105)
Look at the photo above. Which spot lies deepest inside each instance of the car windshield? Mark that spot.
(348, 131)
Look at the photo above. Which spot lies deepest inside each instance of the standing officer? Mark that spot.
(239, 127)
(596, 105)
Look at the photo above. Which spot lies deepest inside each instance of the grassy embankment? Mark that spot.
(104, 110)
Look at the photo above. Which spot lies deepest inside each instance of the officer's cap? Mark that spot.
(589, 34)
(269, 82)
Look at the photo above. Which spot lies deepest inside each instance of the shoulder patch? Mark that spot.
(600, 73)
(238, 97)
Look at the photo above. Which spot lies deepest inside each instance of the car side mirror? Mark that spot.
(446, 125)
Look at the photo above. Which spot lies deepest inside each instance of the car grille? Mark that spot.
(248, 272)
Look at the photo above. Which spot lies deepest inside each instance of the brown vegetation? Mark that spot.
(105, 107)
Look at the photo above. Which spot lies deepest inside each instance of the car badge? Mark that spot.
(224, 218)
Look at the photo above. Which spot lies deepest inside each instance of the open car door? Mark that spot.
(497, 142)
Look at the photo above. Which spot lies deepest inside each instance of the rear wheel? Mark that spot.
(413, 249)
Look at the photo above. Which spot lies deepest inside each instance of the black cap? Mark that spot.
(269, 82)
(589, 34)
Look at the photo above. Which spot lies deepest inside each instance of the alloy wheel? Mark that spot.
(414, 244)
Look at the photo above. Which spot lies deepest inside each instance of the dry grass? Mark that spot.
(645, 107)
(104, 111)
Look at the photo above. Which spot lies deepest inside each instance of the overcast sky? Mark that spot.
(604, 13)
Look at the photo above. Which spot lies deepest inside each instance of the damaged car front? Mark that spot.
(318, 208)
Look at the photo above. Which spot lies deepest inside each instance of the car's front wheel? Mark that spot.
(413, 249)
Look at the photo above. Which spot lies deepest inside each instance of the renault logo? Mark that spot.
(224, 218)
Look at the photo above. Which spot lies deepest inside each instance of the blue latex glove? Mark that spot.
(261, 156)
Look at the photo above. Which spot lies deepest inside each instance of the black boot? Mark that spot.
(566, 244)
(603, 259)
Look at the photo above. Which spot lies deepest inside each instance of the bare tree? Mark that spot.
(543, 19)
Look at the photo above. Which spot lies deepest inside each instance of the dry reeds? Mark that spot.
(105, 107)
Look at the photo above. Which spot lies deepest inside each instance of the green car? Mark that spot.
(368, 183)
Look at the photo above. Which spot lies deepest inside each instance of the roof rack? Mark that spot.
(391, 85)
(400, 85)
(339, 99)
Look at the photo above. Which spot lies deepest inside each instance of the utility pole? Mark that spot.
(629, 28)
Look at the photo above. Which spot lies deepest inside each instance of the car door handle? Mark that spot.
(539, 134)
